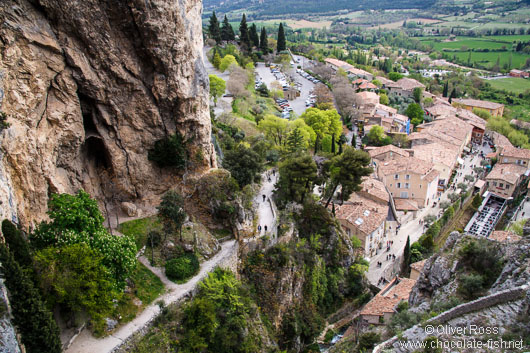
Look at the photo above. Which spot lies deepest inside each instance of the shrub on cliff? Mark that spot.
(18, 246)
(169, 152)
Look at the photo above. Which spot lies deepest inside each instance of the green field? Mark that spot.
(489, 59)
(486, 59)
(512, 84)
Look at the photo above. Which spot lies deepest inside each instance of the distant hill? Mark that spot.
(271, 8)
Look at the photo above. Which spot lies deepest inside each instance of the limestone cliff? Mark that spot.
(89, 86)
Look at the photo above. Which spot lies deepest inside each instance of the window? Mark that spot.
(407, 177)
(501, 185)
(399, 185)
(505, 160)
(404, 195)
(396, 176)
(407, 186)
(494, 183)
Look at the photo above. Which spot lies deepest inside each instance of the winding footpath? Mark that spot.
(86, 343)
(265, 205)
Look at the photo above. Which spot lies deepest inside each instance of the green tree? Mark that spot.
(383, 99)
(415, 113)
(274, 128)
(263, 42)
(227, 32)
(295, 141)
(76, 219)
(281, 45)
(74, 276)
(323, 122)
(171, 212)
(244, 36)
(387, 67)
(253, 34)
(297, 176)
(418, 94)
(18, 246)
(395, 76)
(477, 201)
(213, 28)
(169, 151)
(217, 87)
(347, 170)
(33, 320)
(406, 258)
(446, 89)
(376, 136)
(244, 164)
(220, 317)
(216, 60)
(452, 96)
(227, 61)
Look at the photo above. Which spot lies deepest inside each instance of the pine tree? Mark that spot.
(333, 150)
(244, 37)
(263, 42)
(213, 29)
(406, 258)
(295, 141)
(227, 32)
(446, 89)
(216, 61)
(281, 45)
(253, 34)
(34, 321)
(18, 246)
(453, 95)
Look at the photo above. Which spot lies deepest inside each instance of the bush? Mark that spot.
(182, 267)
(76, 219)
(471, 286)
(169, 151)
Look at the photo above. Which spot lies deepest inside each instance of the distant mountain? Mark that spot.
(271, 8)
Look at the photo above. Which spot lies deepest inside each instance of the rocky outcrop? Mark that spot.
(89, 86)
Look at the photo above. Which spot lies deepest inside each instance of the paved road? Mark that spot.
(298, 104)
(86, 343)
(265, 206)
(413, 228)
(224, 104)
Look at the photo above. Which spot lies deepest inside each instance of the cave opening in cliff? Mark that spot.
(97, 153)
(87, 110)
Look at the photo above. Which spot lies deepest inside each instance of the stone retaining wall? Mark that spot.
(462, 309)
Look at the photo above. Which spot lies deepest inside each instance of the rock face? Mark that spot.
(89, 86)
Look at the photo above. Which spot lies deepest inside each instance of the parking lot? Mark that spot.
(299, 104)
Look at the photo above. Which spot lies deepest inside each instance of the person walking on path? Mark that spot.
(265, 228)
(263, 198)
(259, 228)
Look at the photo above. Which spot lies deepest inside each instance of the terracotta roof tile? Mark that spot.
(507, 172)
(510, 151)
(362, 213)
(408, 84)
(478, 103)
(504, 236)
(406, 164)
(388, 148)
(389, 297)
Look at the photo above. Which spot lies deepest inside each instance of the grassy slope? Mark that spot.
(512, 84)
